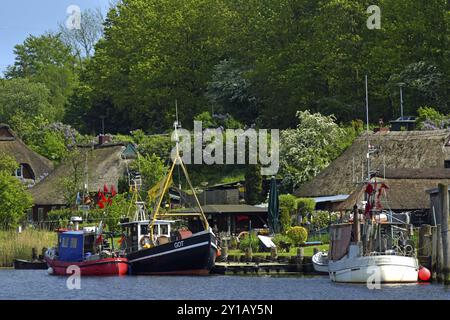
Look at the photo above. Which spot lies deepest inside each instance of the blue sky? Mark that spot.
(20, 18)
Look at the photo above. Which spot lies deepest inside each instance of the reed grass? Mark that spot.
(15, 245)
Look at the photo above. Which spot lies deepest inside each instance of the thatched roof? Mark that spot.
(14, 146)
(397, 150)
(105, 165)
(403, 194)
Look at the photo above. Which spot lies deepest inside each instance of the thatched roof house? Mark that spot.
(407, 189)
(398, 152)
(33, 167)
(102, 164)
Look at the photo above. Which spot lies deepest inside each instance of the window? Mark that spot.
(144, 229)
(65, 243)
(73, 243)
(447, 164)
(156, 230)
(164, 229)
(19, 172)
(40, 214)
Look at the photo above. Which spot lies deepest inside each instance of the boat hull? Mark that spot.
(20, 264)
(101, 267)
(383, 269)
(320, 262)
(195, 255)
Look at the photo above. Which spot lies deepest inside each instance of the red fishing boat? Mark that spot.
(86, 250)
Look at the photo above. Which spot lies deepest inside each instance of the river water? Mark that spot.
(37, 284)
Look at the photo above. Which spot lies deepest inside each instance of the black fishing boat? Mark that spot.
(173, 253)
(20, 264)
(158, 244)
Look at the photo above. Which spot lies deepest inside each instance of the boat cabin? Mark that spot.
(72, 245)
(76, 246)
(136, 235)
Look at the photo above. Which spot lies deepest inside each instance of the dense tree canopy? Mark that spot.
(262, 61)
(46, 60)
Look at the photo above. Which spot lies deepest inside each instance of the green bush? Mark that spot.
(289, 202)
(288, 208)
(321, 219)
(305, 206)
(285, 219)
(298, 235)
(250, 240)
(282, 242)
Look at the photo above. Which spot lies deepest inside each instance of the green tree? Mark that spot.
(253, 184)
(175, 45)
(309, 148)
(305, 206)
(52, 140)
(7, 163)
(288, 209)
(23, 98)
(152, 170)
(47, 60)
(430, 118)
(14, 200)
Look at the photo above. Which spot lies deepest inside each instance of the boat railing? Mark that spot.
(391, 253)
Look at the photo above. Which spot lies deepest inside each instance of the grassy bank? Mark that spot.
(18, 246)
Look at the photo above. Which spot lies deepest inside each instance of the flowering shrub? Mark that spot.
(298, 235)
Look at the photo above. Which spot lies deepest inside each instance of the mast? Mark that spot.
(177, 160)
(367, 131)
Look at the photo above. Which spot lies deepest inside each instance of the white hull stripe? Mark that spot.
(172, 251)
(341, 271)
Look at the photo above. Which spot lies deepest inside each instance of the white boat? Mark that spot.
(320, 262)
(385, 254)
(348, 262)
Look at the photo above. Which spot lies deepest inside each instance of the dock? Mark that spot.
(289, 265)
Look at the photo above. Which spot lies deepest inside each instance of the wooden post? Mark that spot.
(315, 250)
(434, 252)
(33, 254)
(225, 250)
(425, 242)
(300, 255)
(273, 253)
(248, 254)
(438, 253)
(443, 192)
(356, 232)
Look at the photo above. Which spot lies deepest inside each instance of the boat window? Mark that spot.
(164, 228)
(65, 242)
(144, 229)
(156, 230)
(73, 243)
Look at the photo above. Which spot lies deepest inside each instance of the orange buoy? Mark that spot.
(424, 274)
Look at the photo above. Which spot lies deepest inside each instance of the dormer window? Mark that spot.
(447, 164)
(19, 172)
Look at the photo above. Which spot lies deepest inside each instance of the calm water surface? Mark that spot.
(37, 284)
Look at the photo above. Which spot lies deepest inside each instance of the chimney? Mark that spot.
(102, 139)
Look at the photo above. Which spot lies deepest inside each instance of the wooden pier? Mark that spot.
(434, 246)
(288, 265)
